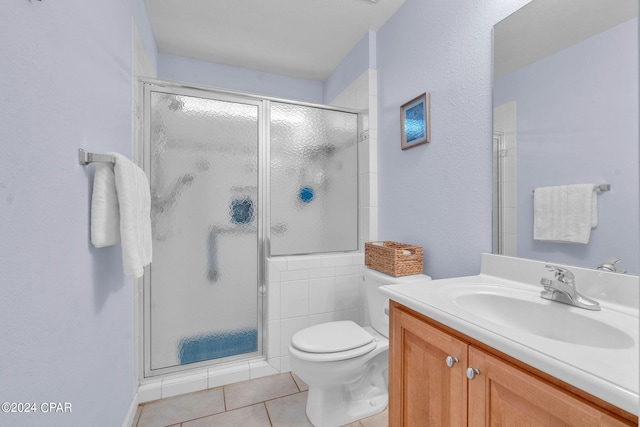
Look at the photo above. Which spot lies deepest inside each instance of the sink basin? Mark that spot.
(527, 312)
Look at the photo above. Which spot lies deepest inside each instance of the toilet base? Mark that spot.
(333, 407)
(342, 391)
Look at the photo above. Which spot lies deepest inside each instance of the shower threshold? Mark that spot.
(203, 378)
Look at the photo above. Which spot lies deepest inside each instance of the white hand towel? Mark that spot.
(134, 198)
(105, 214)
(565, 213)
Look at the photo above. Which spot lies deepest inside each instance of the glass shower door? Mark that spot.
(314, 180)
(201, 296)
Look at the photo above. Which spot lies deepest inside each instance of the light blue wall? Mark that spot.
(438, 195)
(65, 307)
(599, 79)
(181, 69)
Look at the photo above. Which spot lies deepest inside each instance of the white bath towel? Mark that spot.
(565, 213)
(134, 198)
(121, 212)
(105, 212)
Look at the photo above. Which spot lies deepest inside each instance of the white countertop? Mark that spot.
(606, 372)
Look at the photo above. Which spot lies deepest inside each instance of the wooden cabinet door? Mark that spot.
(503, 395)
(423, 390)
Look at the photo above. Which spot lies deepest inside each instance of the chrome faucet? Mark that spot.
(563, 289)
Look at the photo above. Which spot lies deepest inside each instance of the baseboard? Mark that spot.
(130, 418)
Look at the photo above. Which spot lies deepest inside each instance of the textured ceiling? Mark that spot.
(298, 38)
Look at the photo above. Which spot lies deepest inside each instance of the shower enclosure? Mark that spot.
(234, 179)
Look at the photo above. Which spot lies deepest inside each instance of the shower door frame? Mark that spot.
(264, 216)
(153, 85)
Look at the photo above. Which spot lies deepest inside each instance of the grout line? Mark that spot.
(283, 396)
(266, 400)
(268, 414)
(294, 380)
(224, 398)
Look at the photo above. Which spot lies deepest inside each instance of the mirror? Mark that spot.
(565, 98)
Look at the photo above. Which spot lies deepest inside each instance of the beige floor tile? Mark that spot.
(249, 416)
(178, 409)
(378, 420)
(263, 402)
(253, 391)
(289, 411)
(301, 384)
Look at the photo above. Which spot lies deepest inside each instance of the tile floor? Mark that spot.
(273, 401)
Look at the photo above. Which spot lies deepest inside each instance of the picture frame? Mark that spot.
(415, 122)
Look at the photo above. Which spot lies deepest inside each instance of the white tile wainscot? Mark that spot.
(307, 290)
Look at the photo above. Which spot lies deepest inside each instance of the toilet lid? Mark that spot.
(331, 337)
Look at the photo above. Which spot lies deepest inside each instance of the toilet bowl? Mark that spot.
(345, 365)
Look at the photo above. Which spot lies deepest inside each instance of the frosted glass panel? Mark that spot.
(204, 177)
(314, 180)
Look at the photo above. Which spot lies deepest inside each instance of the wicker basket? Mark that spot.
(391, 258)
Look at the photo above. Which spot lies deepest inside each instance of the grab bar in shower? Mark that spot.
(233, 229)
(85, 157)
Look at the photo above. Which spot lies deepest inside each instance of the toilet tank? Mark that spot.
(377, 302)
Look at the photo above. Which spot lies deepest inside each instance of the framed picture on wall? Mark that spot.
(415, 123)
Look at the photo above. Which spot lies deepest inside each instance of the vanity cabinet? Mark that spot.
(430, 367)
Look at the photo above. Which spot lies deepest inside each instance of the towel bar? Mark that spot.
(85, 157)
(601, 187)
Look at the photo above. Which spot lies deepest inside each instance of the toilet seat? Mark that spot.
(332, 341)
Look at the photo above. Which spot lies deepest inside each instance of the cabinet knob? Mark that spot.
(472, 372)
(451, 360)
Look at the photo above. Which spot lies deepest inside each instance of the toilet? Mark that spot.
(345, 365)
